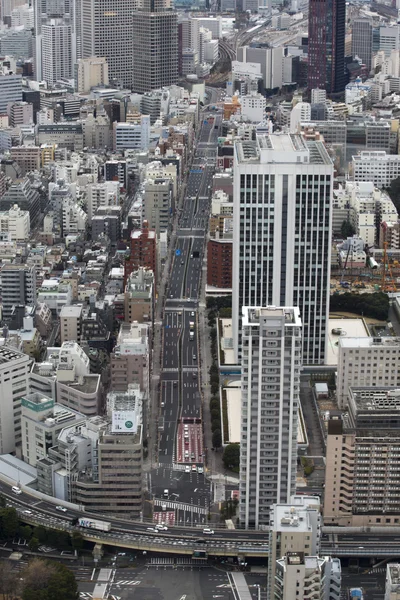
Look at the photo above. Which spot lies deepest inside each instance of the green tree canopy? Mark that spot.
(217, 438)
(347, 229)
(47, 580)
(231, 456)
(8, 523)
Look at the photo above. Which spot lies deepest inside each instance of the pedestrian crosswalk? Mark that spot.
(161, 560)
(377, 570)
(127, 582)
(200, 510)
(85, 595)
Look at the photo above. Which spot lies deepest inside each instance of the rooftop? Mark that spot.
(281, 148)
(369, 342)
(71, 311)
(356, 328)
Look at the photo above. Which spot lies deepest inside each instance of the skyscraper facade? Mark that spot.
(282, 233)
(155, 46)
(361, 41)
(107, 31)
(326, 33)
(271, 365)
(56, 51)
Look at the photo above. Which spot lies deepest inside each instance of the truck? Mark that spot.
(94, 524)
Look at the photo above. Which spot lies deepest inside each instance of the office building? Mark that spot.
(27, 157)
(270, 61)
(268, 447)
(295, 526)
(300, 576)
(101, 194)
(131, 136)
(139, 296)
(15, 225)
(282, 233)
(219, 263)
(56, 51)
(90, 72)
(41, 421)
(376, 166)
(14, 384)
(389, 38)
(326, 33)
(107, 221)
(20, 113)
(17, 42)
(362, 486)
(367, 362)
(155, 46)
(18, 287)
(10, 89)
(361, 41)
(158, 203)
(71, 323)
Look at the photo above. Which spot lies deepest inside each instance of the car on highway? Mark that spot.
(28, 512)
(153, 529)
(200, 470)
(16, 490)
(194, 467)
(187, 467)
(161, 527)
(61, 508)
(192, 314)
(208, 531)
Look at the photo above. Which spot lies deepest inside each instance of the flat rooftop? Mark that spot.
(284, 148)
(370, 342)
(71, 311)
(354, 328)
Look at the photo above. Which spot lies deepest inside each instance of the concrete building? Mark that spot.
(41, 422)
(55, 294)
(143, 251)
(107, 221)
(268, 448)
(253, 107)
(27, 158)
(109, 33)
(219, 263)
(57, 57)
(154, 26)
(25, 195)
(15, 225)
(361, 41)
(279, 258)
(131, 136)
(63, 135)
(389, 38)
(22, 15)
(299, 575)
(17, 42)
(295, 526)
(139, 296)
(158, 205)
(90, 72)
(101, 194)
(390, 234)
(10, 89)
(367, 362)
(18, 287)
(270, 61)
(14, 384)
(71, 323)
(392, 587)
(362, 486)
(378, 166)
(74, 219)
(130, 358)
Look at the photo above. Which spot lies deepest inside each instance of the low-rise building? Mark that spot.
(15, 224)
(139, 296)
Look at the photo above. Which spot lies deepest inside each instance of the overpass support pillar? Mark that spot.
(98, 552)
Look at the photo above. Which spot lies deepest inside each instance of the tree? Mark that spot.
(214, 387)
(77, 541)
(46, 580)
(9, 581)
(40, 533)
(231, 456)
(33, 544)
(215, 424)
(8, 523)
(217, 438)
(347, 229)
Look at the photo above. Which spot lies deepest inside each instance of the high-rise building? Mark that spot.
(90, 72)
(107, 30)
(18, 287)
(155, 46)
(392, 588)
(361, 41)
(299, 575)
(10, 89)
(362, 486)
(143, 251)
(56, 51)
(271, 365)
(295, 526)
(282, 233)
(326, 33)
(14, 383)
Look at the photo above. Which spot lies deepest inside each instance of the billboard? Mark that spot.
(123, 421)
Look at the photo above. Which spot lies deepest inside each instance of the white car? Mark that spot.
(162, 527)
(208, 531)
(61, 508)
(16, 490)
(187, 469)
(200, 470)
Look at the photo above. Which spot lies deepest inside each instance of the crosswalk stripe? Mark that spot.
(127, 582)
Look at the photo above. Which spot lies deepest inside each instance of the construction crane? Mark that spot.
(388, 283)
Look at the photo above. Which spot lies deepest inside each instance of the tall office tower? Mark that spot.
(107, 31)
(326, 32)
(56, 51)
(295, 526)
(155, 46)
(361, 41)
(270, 396)
(18, 287)
(282, 233)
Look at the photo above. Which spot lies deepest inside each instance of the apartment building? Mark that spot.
(282, 233)
(14, 384)
(295, 526)
(367, 361)
(27, 157)
(158, 204)
(71, 323)
(392, 587)
(20, 113)
(362, 484)
(143, 251)
(18, 287)
(300, 576)
(90, 72)
(101, 194)
(390, 234)
(15, 224)
(271, 364)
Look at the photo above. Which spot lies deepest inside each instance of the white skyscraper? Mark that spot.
(282, 233)
(271, 365)
(56, 51)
